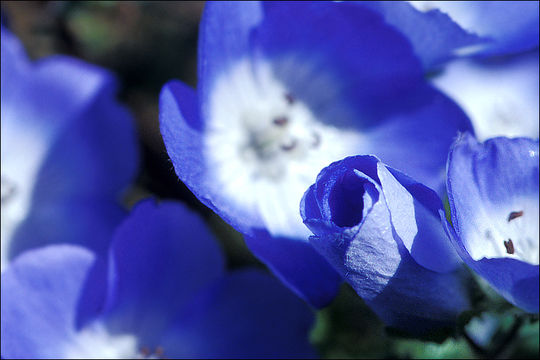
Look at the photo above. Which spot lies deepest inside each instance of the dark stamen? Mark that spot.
(514, 214)
(281, 121)
(290, 99)
(509, 245)
(290, 146)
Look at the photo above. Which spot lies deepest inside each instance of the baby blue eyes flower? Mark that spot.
(285, 89)
(68, 149)
(164, 294)
(382, 232)
(493, 194)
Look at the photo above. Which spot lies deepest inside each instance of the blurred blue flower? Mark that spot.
(382, 232)
(285, 89)
(493, 195)
(500, 96)
(165, 294)
(68, 149)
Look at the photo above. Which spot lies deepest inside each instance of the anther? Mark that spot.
(514, 214)
(290, 146)
(290, 99)
(281, 121)
(509, 245)
(145, 351)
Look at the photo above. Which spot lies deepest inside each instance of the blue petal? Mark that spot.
(224, 39)
(40, 297)
(181, 131)
(15, 65)
(68, 145)
(363, 246)
(161, 256)
(426, 133)
(181, 128)
(500, 97)
(298, 265)
(512, 25)
(391, 103)
(247, 314)
(342, 41)
(485, 183)
(434, 35)
(83, 221)
(414, 211)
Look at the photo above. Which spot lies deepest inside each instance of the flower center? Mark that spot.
(265, 145)
(513, 234)
(273, 138)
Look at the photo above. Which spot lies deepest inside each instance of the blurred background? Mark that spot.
(149, 43)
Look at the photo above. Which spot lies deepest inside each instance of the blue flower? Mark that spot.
(285, 89)
(493, 195)
(68, 149)
(165, 294)
(382, 232)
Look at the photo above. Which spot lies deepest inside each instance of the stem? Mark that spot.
(496, 352)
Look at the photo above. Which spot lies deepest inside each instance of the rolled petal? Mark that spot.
(414, 212)
(161, 256)
(247, 314)
(493, 195)
(363, 217)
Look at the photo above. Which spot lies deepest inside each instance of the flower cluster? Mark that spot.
(331, 135)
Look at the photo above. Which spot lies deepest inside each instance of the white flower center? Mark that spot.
(95, 342)
(23, 150)
(266, 146)
(512, 232)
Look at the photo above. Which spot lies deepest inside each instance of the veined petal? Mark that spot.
(493, 195)
(414, 211)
